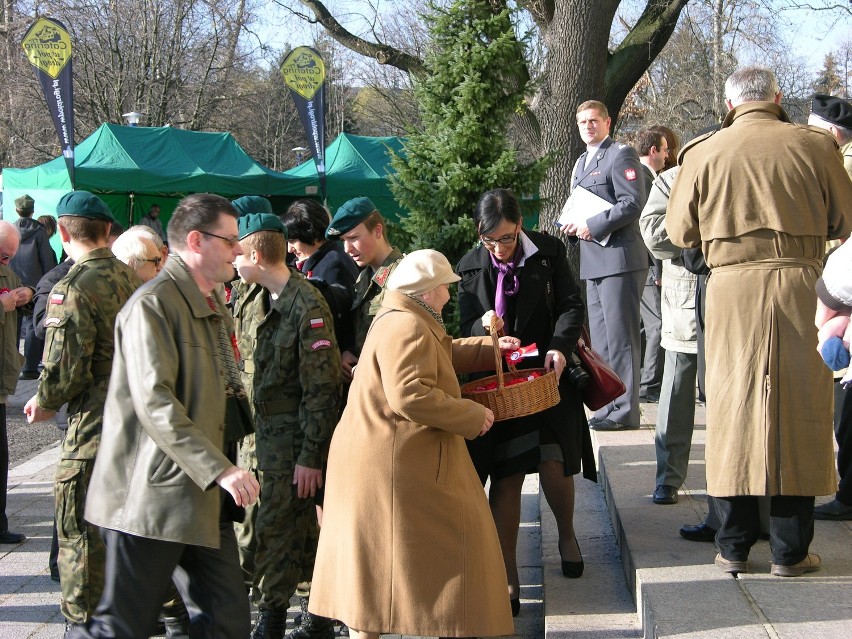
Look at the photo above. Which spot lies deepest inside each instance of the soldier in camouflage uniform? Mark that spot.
(295, 381)
(361, 227)
(248, 313)
(77, 364)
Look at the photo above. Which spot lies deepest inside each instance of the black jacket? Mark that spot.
(548, 312)
(35, 256)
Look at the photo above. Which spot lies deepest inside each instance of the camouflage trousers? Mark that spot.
(286, 536)
(246, 542)
(81, 551)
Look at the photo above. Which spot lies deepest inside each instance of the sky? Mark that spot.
(811, 33)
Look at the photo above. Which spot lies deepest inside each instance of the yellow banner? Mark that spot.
(303, 71)
(48, 47)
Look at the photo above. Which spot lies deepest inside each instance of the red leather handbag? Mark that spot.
(605, 385)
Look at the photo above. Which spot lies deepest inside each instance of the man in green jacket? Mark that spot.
(12, 296)
(77, 363)
(295, 387)
(153, 488)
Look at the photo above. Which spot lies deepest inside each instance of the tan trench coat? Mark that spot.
(408, 544)
(760, 196)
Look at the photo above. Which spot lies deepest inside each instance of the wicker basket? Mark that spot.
(517, 400)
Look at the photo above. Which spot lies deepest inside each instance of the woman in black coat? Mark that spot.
(325, 264)
(524, 277)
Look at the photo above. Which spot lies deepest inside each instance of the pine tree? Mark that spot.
(828, 79)
(470, 91)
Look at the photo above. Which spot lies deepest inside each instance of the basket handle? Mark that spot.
(498, 358)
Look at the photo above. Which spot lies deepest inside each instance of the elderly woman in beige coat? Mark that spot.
(408, 545)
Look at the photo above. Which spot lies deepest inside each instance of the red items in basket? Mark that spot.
(518, 380)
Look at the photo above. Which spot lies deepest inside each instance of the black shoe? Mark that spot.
(573, 569)
(28, 375)
(651, 397)
(312, 626)
(833, 511)
(700, 532)
(270, 624)
(608, 424)
(9, 537)
(516, 606)
(665, 494)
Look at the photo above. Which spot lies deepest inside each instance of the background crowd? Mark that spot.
(319, 389)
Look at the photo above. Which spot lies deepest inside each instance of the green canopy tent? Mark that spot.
(134, 167)
(356, 166)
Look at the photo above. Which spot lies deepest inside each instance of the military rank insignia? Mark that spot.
(321, 343)
(381, 276)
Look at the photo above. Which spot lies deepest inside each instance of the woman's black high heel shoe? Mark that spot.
(516, 606)
(573, 569)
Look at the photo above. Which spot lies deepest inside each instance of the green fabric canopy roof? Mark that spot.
(162, 160)
(153, 164)
(356, 166)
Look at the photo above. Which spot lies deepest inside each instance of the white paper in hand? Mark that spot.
(580, 206)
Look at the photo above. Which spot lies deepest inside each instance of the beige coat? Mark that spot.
(408, 544)
(760, 196)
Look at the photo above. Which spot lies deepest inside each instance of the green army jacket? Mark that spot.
(10, 364)
(79, 345)
(292, 368)
(369, 291)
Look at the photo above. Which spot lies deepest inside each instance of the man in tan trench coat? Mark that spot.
(760, 197)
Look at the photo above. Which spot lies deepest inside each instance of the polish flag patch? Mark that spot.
(630, 174)
(317, 323)
(57, 298)
(321, 343)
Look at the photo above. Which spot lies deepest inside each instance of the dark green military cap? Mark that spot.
(348, 216)
(252, 204)
(254, 222)
(84, 204)
(24, 203)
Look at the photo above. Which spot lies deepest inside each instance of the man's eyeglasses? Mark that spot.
(231, 241)
(506, 240)
(156, 260)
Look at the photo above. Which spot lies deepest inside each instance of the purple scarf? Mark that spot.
(507, 281)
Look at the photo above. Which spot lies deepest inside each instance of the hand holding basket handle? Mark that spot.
(538, 389)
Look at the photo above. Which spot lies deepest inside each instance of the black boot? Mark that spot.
(312, 626)
(270, 624)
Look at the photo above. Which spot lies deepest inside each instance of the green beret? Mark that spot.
(348, 216)
(252, 204)
(84, 204)
(254, 222)
(24, 203)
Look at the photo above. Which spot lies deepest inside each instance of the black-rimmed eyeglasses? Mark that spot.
(231, 241)
(154, 260)
(506, 240)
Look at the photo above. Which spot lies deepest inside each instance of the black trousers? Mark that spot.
(843, 434)
(4, 468)
(139, 572)
(791, 527)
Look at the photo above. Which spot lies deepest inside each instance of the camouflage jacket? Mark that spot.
(291, 370)
(79, 345)
(369, 290)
